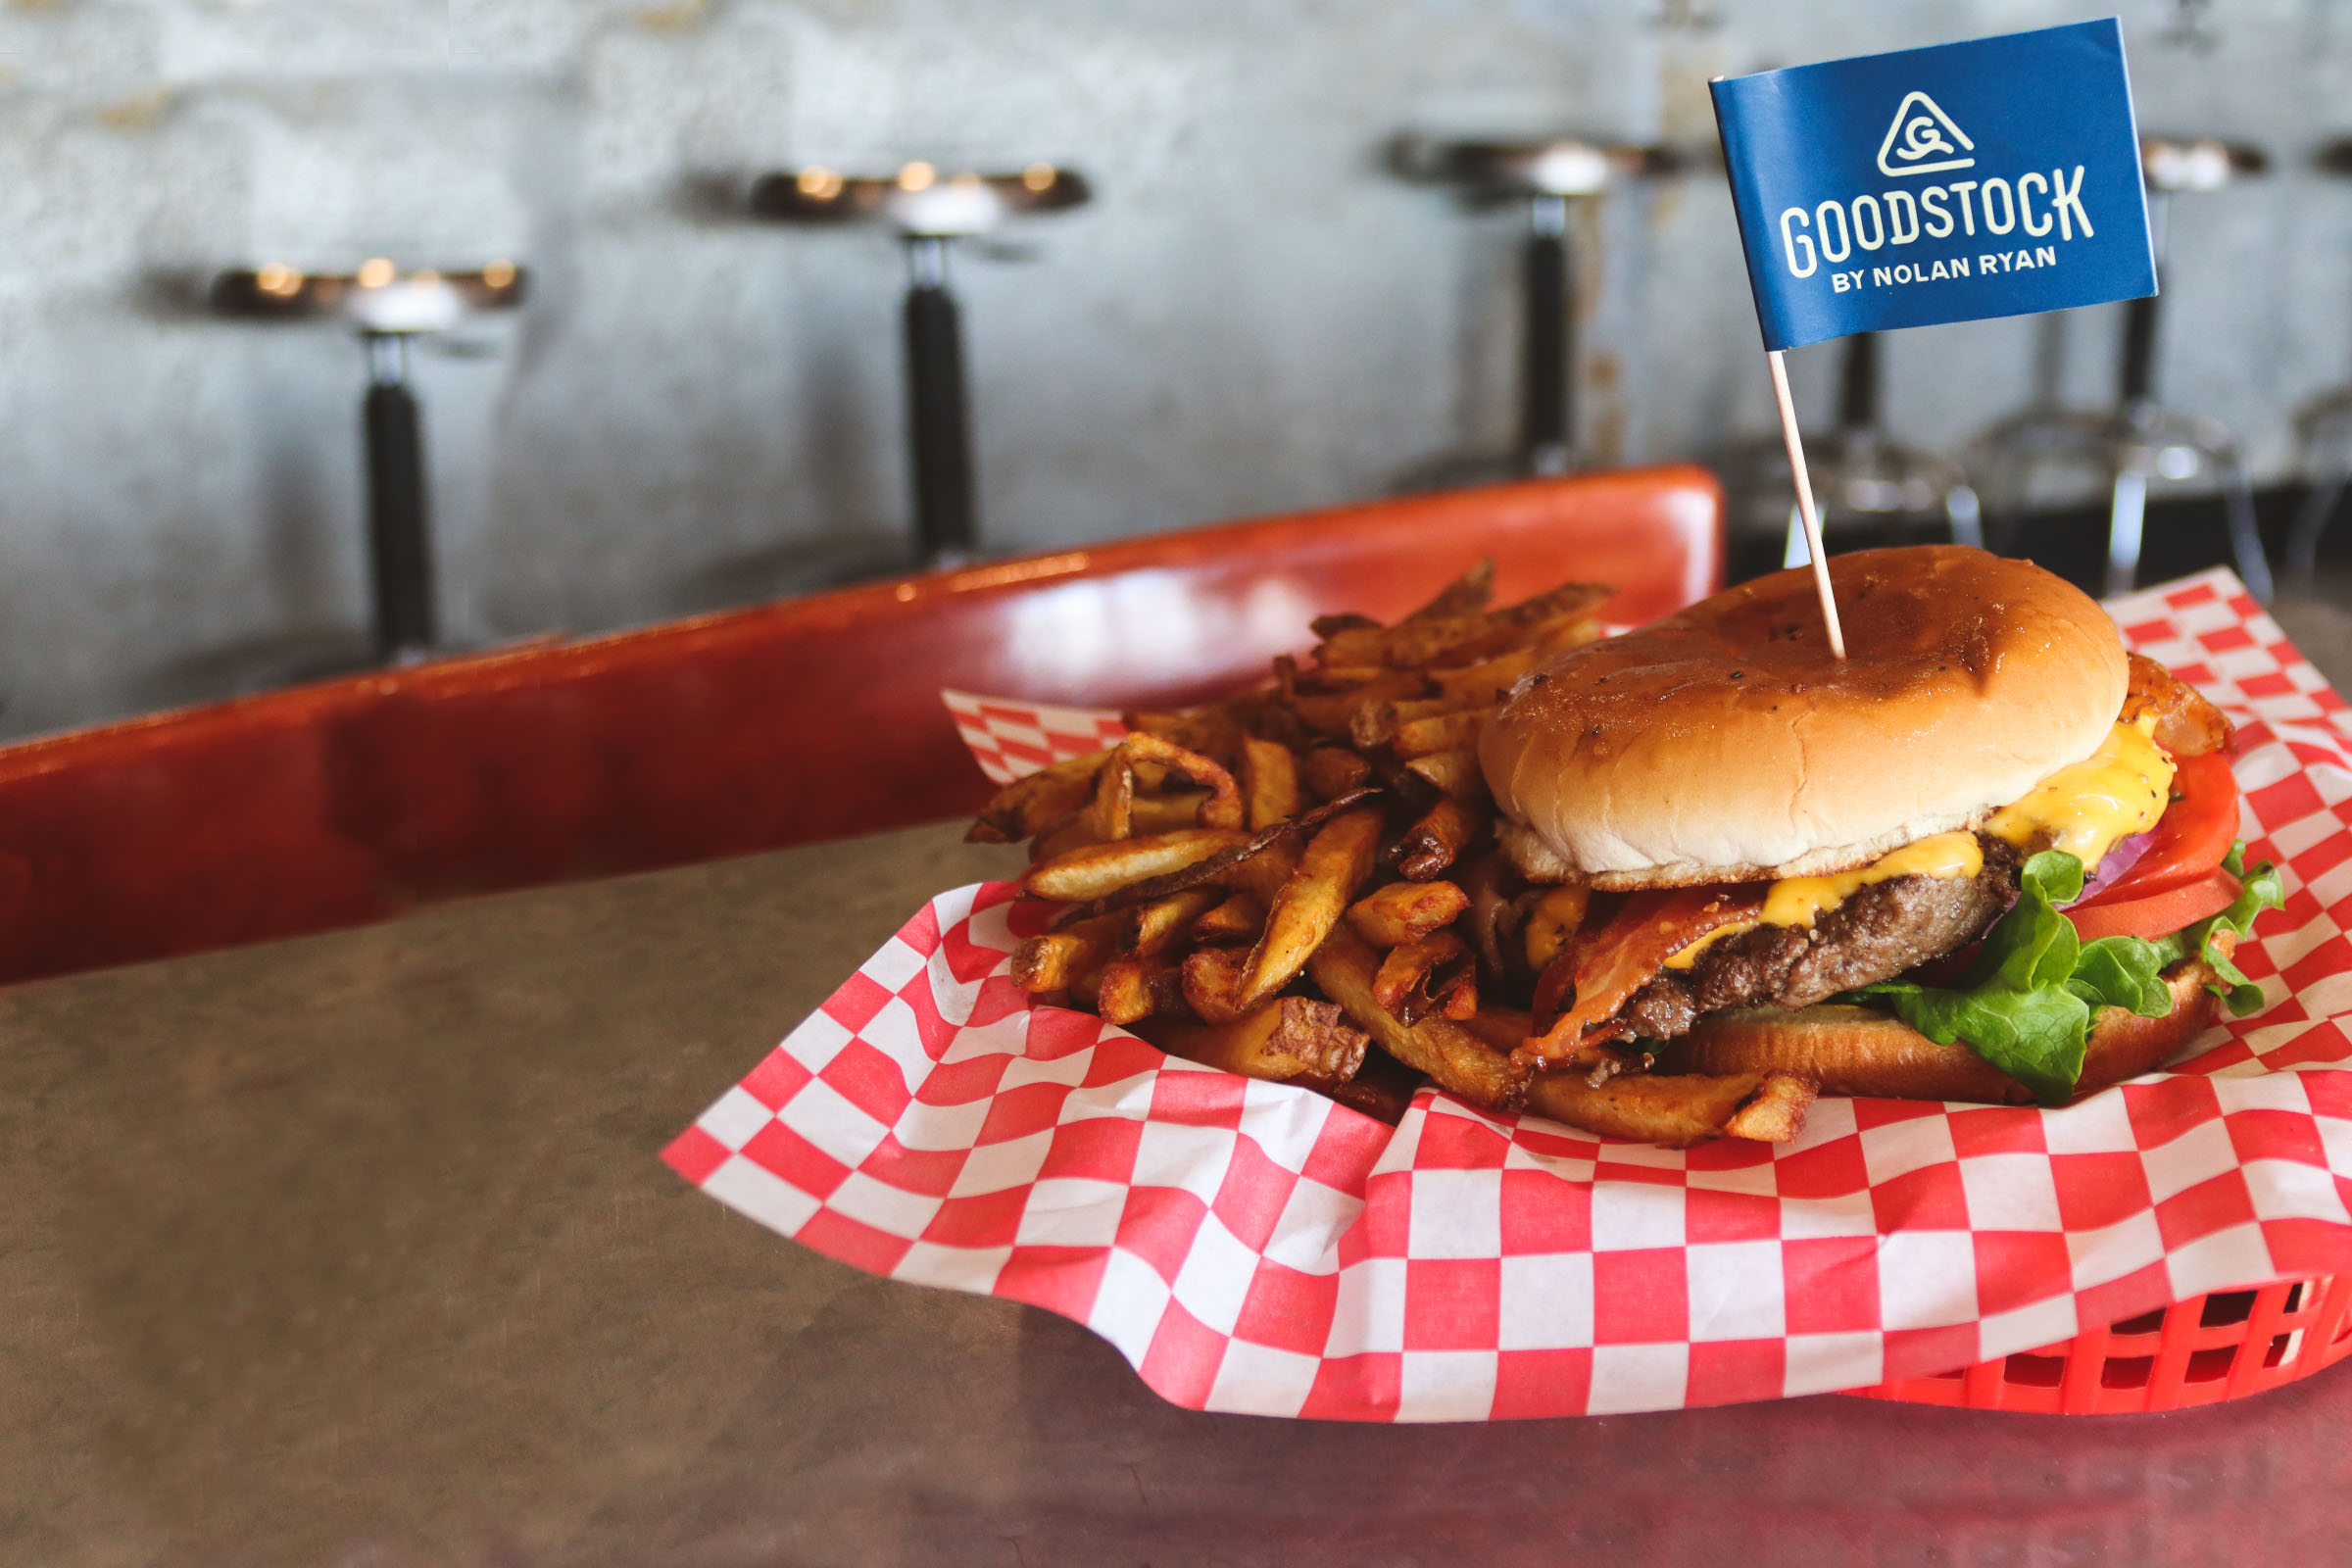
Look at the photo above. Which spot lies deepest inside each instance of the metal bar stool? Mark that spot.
(2323, 431)
(929, 213)
(1547, 175)
(2139, 441)
(388, 306)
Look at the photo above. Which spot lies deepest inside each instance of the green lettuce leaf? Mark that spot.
(2026, 1004)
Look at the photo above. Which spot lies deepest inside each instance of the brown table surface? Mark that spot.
(356, 1250)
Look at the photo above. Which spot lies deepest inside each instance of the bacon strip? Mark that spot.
(1627, 953)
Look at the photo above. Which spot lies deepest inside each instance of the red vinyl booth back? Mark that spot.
(347, 802)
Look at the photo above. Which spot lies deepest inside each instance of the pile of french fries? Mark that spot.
(1299, 884)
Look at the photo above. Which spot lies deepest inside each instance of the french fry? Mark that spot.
(1213, 978)
(1432, 975)
(1552, 922)
(1334, 771)
(1269, 781)
(1154, 928)
(1031, 803)
(1130, 989)
(1434, 843)
(1676, 1109)
(1240, 866)
(1466, 595)
(1377, 723)
(1239, 918)
(1455, 773)
(1165, 814)
(1223, 807)
(1111, 813)
(1337, 861)
(1097, 870)
(1332, 625)
(1484, 683)
(1462, 1063)
(1055, 959)
(1330, 712)
(1455, 731)
(1405, 912)
(1292, 1040)
(1208, 733)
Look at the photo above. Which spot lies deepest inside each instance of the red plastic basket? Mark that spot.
(2224, 1346)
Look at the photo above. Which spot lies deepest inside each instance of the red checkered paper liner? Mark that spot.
(1253, 1247)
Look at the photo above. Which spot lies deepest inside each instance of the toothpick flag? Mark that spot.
(1992, 178)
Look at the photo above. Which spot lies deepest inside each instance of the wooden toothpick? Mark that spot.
(1805, 500)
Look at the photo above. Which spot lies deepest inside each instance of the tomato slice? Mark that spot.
(2192, 838)
(2158, 915)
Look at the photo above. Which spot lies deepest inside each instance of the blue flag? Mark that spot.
(1986, 178)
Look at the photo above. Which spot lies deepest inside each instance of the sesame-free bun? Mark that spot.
(1725, 744)
(1862, 1052)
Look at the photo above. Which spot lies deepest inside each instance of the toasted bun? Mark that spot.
(1725, 744)
(1858, 1051)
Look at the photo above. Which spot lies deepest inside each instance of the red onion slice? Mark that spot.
(2120, 860)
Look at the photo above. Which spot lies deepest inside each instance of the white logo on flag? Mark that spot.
(1921, 131)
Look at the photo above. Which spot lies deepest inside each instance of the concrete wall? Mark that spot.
(696, 410)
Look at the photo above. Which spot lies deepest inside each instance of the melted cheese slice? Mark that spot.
(2119, 790)
(1803, 900)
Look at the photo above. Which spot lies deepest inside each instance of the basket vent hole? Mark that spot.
(2295, 1296)
(2035, 1371)
(2145, 1323)
(2227, 1306)
(2282, 1349)
(2126, 1371)
(2210, 1367)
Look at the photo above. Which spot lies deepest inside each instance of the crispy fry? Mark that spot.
(1055, 959)
(1223, 807)
(1239, 918)
(1236, 867)
(1334, 771)
(1337, 861)
(1330, 712)
(1346, 620)
(1097, 871)
(1405, 912)
(1484, 683)
(1110, 814)
(1073, 831)
(1165, 814)
(1136, 988)
(1269, 781)
(1461, 1063)
(1031, 803)
(1552, 922)
(1376, 723)
(1678, 1109)
(1213, 978)
(1432, 975)
(1154, 928)
(1434, 843)
(1292, 1040)
(1457, 773)
(1208, 733)
(1441, 732)
(1466, 595)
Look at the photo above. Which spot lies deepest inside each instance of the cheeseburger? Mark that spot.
(1988, 856)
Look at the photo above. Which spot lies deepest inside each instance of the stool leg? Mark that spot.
(2245, 539)
(2319, 509)
(1544, 411)
(2127, 521)
(399, 545)
(1961, 510)
(938, 422)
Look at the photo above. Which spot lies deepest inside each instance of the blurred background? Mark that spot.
(1263, 303)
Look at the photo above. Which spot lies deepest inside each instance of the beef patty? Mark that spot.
(1875, 935)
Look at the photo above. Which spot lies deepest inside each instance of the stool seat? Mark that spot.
(375, 297)
(917, 201)
(1554, 166)
(2182, 165)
